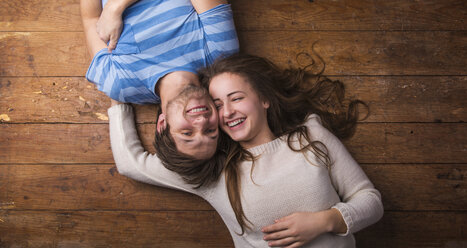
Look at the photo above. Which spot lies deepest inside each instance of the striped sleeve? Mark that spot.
(219, 29)
(116, 78)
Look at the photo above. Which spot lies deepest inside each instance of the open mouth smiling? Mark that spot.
(236, 122)
(198, 110)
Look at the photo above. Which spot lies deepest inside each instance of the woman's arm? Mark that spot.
(361, 203)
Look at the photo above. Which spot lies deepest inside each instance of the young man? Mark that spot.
(162, 44)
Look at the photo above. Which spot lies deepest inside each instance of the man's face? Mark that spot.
(193, 122)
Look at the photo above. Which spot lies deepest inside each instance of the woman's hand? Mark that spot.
(300, 228)
(110, 25)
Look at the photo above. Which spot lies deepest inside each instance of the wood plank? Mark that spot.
(349, 53)
(205, 229)
(100, 187)
(410, 99)
(69, 99)
(36, 15)
(364, 53)
(40, 15)
(372, 143)
(409, 143)
(113, 229)
(58, 99)
(416, 229)
(420, 187)
(40, 54)
(391, 99)
(349, 15)
(76, 187)
(49, 143)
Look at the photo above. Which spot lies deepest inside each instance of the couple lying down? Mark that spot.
(257, 142)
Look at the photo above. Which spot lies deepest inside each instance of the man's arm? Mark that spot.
(110, 24)
(90, 13)
(205, 5)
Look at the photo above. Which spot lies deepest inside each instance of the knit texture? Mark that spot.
(281, 183)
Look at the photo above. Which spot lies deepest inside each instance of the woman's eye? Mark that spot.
(237, 99)
(218, 106)
(187, 133)
(211, 130)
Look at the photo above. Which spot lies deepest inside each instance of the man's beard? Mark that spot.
(186, 94)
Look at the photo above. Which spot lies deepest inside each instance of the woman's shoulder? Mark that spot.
(315, 127)
(314, 123)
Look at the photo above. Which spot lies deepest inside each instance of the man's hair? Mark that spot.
(199, 172)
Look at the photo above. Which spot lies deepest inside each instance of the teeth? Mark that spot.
(196, 110)
(235, 123)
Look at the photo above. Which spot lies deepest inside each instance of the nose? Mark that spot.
(199, 120)
(228, 111)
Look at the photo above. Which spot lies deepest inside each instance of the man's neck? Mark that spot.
(172, 84)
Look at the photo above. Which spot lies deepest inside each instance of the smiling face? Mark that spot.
(193, 122)
(242, 115)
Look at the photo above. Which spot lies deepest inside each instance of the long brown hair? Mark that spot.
(293, 94)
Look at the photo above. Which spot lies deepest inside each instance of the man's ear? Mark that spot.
(161, 123)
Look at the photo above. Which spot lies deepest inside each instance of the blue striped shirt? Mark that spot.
(159, 37)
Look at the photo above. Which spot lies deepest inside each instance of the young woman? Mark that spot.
(286, 164)
(282, 179)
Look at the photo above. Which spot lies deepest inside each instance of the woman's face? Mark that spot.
(242, 115)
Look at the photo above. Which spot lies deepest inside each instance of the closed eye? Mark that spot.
(187, 133)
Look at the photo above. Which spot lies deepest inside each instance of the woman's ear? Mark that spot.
(161, 123)
(266, 104)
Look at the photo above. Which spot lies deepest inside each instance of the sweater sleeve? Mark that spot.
(130, 157)
(360, 204)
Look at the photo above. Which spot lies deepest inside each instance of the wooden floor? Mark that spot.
(408, 59)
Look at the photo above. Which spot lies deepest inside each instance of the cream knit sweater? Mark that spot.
(284, 182)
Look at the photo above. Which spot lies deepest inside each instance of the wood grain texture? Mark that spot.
(348, 53)
(416, 229)
(43, 54)
(39, 15)
(77, 187)
(204, 229)
(112, 229)
(36, 15)
(391, 99)
(421, 187)
(404, 187)
(58, 183)
(349, 15)
(372, 143)
(364, 53)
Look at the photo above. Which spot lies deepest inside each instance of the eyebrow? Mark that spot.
(231, 93)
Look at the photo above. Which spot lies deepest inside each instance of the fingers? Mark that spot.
(277, 235)
(295, 245)
(282, 242)
(112, 44)
(278, 226)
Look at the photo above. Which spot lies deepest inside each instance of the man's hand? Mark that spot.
(300, 228)
(109, 26)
